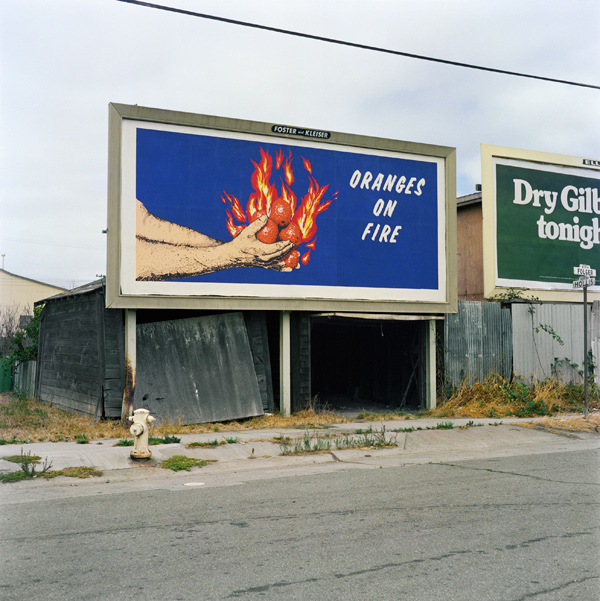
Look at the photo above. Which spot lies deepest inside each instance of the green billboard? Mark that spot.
(541, 219)
(546, 223)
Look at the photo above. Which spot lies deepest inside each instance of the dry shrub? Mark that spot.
(574, 423)
(26, 420)
(307, 418)
(498, 397)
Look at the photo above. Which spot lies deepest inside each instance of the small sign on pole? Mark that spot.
(584, 270)
(586, 278)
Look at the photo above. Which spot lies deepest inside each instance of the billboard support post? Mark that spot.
(431, 401)
(130, 363)
(285, 389)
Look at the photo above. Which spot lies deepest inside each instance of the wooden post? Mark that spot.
(130, 363)
(285, 373)
(430, 365)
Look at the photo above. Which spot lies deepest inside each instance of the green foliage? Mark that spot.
(533, 408)
(549, 330)
(124, 442)
(26, 341)
(82, 439)
(13, 440)
(512, 294)
(166, 440)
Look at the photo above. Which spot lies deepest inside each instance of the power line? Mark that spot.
(356, 45)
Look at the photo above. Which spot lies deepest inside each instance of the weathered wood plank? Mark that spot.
(256, 325)
(197, 370)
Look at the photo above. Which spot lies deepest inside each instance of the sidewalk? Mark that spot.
(424, 440)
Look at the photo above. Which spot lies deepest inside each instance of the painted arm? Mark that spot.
(166, 251)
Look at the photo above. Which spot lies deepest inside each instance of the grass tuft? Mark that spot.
(181, 462)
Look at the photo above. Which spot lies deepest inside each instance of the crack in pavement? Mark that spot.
(554, 589)
(496, 471)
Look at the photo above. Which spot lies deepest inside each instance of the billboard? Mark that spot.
(207, 212)
(541, 216)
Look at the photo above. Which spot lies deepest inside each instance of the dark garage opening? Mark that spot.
(367, 364)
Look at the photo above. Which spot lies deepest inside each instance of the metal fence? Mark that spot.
(477, 343)
(530, 340)
(548, 341)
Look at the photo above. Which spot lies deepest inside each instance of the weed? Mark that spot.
(14, 477)
(388, 415)
(181, 462)
(124, 442)
(72, 472)
(444, 426)
(13, 440)
(22, 458)
(231, 439)
(154, 440)
(210, 443)
(82, 439)
(318, 443)
(28, 463)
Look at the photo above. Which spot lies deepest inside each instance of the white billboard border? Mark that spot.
(123, 293)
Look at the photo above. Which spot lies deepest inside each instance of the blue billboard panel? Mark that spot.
(362, 220)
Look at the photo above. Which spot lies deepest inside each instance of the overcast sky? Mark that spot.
(63, 61)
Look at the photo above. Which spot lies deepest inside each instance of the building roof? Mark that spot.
(469, 199)
(14, 275)
(80, 290)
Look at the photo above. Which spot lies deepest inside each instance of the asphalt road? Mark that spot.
(515, 528)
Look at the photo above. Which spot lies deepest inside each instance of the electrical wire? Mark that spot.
(356, 45)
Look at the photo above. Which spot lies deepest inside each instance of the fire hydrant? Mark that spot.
(141, 420)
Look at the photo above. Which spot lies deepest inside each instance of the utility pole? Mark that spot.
(586, 278)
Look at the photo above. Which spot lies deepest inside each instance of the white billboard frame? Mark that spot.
(124, 291)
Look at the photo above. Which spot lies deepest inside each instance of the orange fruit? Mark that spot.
(291, 232)
(291, 259)
(281, 213)
(257, 215)
(268, 234)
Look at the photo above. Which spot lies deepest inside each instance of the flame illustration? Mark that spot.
(265, 194)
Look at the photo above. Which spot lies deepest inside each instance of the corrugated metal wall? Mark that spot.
(477, 342)
(548, 337)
